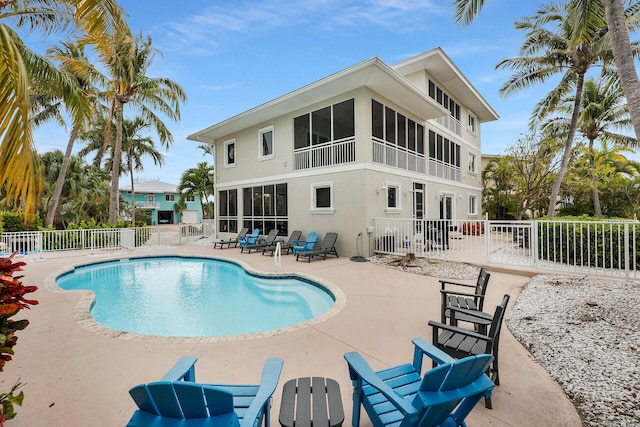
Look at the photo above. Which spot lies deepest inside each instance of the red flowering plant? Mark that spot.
(12, 300)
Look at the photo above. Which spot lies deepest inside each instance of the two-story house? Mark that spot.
(370, 141)
(161, 199)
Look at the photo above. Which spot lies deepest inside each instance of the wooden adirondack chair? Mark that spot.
(250, 239)
(177, 400)
(399, 396)
(469, 300)
(459, 343)
(306, 244)
(326, 247)
(261, 243)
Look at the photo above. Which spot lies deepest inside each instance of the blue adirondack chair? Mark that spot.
(306, 244)
(399, 396)
(177, 400)
(250, 239)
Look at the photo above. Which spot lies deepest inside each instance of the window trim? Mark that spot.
(313, 209)
(472, 123)
(398, 207)
(169, 197)
(226, 155)
(472, 204)
(261, 155)
(473, 163)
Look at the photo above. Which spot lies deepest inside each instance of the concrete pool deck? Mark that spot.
(75, 377)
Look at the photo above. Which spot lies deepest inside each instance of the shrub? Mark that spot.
(12, 300)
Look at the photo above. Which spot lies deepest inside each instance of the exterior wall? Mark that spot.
(160, 204)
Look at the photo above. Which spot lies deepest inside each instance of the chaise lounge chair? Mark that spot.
(326, 247)
(399, 396)
(261, 243)
(306, 244)
(230, 242)
(284, 246)
(177, 400)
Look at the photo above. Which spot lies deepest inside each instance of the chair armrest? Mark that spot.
(360, 370)
(297, 242)
(270, 377)
(423, 347)
(184, 369)
(464, 294)
(478, 315)
(446, 282)
(438, 325)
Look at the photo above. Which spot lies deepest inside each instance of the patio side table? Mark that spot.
(297, 410)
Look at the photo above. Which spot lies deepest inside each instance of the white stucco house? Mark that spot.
(370, 141)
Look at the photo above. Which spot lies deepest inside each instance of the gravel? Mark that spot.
(584, 331)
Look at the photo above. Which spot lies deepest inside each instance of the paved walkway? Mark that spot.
(73, 377)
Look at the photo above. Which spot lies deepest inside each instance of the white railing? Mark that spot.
(327, 154)
(450, 123)
(99, 239)
(391, 155)
(148, 205)
(443, 170)
(606, 248)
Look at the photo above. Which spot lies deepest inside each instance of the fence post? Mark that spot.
(487, 238)
(626, 251)
(534, 244)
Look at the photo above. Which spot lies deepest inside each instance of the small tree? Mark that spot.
(12, 300)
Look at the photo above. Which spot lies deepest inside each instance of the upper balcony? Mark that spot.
(326, 154)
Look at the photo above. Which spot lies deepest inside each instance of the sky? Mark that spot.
(232, 55)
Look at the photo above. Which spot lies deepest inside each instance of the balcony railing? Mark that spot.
(398, 157)
(450, 123)
(442, 170)
(327, 154)
(148, 205)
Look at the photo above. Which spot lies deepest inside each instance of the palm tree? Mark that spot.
(603, 109)
(128, 83)
(136, 146)
(73, 61)
(20, 67)
(197, 181)
(545, 53)
(589, 19)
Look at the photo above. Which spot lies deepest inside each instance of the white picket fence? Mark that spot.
(605, 248)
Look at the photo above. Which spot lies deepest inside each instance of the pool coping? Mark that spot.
(82, 311)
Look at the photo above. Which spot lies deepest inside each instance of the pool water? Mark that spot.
(193, 297)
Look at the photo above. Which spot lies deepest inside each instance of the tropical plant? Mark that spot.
(12, 300)
(21, 68)
(198, 181)
(127, 83)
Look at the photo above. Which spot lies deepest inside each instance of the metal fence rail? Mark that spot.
(607, 248)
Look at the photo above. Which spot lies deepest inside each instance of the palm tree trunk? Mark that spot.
(133, 197)
(568, 147)
(57, 191)
(115, 167)
(621, 47)
(597, 209)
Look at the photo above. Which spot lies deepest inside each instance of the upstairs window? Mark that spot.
(325, 125)
(472, 163)
(230, 153)
(265, 143)
(169, 197)
(472, 123)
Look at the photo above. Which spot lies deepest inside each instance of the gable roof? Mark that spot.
(449, 76)
(152, 186)
(372, 73)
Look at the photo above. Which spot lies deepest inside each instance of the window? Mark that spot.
(443, 150)
(322, 198)
(445, 100)
(150, 198)
(473, 204)
(265, 143)
(230, 153)
(472, 163)
(395, 128)
(169, 197)
(265, 207)
(472, 123)
(393, 199)
(327, 124)
(227, 203)
(190, 198)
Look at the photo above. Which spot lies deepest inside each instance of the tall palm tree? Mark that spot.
(545, 53)
(20, 67)
(198, 181)
(128, 83)
(584, 12)
(73, 61)
(136, 145)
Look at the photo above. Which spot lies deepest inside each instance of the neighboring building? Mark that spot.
(160, 199)
(371, 141)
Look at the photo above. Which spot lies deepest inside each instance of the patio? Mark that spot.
(73, 377)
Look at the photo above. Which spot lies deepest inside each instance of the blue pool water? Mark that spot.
(192, 297)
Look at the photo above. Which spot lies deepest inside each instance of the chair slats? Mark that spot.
(191, 399)
(165, 399)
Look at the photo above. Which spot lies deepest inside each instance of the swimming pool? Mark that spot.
(194, 297)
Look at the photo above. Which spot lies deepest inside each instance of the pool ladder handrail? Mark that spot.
(277, 256)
